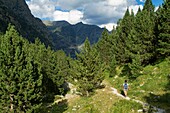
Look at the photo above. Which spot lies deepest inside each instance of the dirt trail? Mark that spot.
(158, 110)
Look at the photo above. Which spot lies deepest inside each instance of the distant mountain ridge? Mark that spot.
(69, 37)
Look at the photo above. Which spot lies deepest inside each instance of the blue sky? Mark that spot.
(155, 2)
(104, 13)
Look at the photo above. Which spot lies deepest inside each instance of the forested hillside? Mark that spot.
(31, 74)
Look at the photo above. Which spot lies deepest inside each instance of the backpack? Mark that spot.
(125, 85)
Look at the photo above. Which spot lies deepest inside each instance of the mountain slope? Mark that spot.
(69, 37)
(17, 13)
(82, 31)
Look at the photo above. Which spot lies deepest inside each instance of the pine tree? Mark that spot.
(141, 40)
(20, 77)
(89, 69)
(58, 69)
(39, 53)
(135, 67)
(47, 59)
(112, 66)
(148, 6)
(121, 38)
(104, 47)
(139, 11)
(63, 64)
(164, 29)
(143, 36)
(127, 23)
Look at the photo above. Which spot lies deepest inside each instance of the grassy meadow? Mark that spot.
(152, 87)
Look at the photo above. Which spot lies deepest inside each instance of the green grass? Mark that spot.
(153, 86)
(125, 106)
(103, 101)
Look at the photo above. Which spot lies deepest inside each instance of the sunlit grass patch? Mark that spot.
(125, 106)
(100, 102)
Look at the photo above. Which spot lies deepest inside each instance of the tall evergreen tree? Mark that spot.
(52, 80)
(59, 69)
(164, 29)
(126, 24)
(38, 51)
(121, 38)
(89, 69)
(104, 47)
(141, 40)
(143, 36)
(20, 77)
(148, 6)
(139, 11)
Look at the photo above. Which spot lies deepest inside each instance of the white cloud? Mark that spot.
(46, 9)
(75, 4)
(98, 12)
(72, 16)
(135, 8)
(108, 26)
(75, 16)
(42, 8)
(156, 8)
(102, 13)
(106, 11)
(117, 2)
(142, 0)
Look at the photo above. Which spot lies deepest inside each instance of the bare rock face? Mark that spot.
(17, 13)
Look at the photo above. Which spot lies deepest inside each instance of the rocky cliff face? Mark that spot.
(17, 13)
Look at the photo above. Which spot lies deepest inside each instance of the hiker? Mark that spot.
(125, 88)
